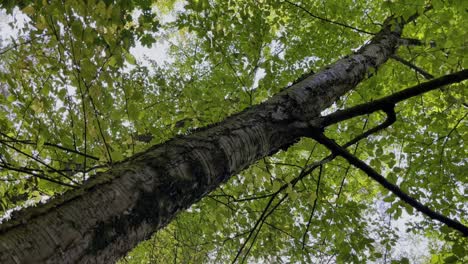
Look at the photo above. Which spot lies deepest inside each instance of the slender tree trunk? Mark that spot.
(117, 209)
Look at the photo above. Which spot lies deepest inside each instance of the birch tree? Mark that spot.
(292, 132)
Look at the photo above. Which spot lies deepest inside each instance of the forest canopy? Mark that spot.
(88, 85)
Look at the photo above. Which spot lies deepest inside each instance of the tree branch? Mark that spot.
(40, 162)
(424, 73)
(389, 101)
(339, 150)
(31, 142)
(16, 45)
(410, 42)
(30, 172)
(261, 224)
(304, 237)
(328, 20)
(349, 167)
(252, 230)
(306, 171)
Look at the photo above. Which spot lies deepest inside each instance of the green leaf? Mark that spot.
(276, 186)
(29, 10)
(451, 259)
(11, 98)
(40, 142)
(130, 58)
(77, 28)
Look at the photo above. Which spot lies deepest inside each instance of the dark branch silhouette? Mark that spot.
(328, 20)
(339, 150)
(304, 237)
(31, 142)
(417, 69)
(34, 174)
(386, 104)
(389, 101)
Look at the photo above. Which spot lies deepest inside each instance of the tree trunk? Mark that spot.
(116, 210)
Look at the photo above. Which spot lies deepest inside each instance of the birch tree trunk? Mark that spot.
(117, 209)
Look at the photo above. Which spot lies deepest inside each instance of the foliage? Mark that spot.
(74, 100)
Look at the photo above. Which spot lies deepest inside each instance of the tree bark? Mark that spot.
(116, 210)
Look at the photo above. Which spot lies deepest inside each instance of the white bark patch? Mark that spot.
(241, 147)
(204, 157)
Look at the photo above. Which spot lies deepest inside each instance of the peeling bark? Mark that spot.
(117, 209)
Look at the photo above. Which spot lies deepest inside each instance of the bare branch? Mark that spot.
(40, 162)
(389, 101)
(16, 45)
(424, 73)
(339, 150)
(253, 229)
(31, 142)
(40, 176)
(328, 20)
(410, 42)
(304, 237)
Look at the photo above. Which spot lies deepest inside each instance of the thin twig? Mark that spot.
(30, 142)
(16, 45)
(304, 237)
(252, 230)
(348, 168)
(424, 73)
(260, 227)
(446, 139)
(6, 166)
(39, 161)
(328, 20)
